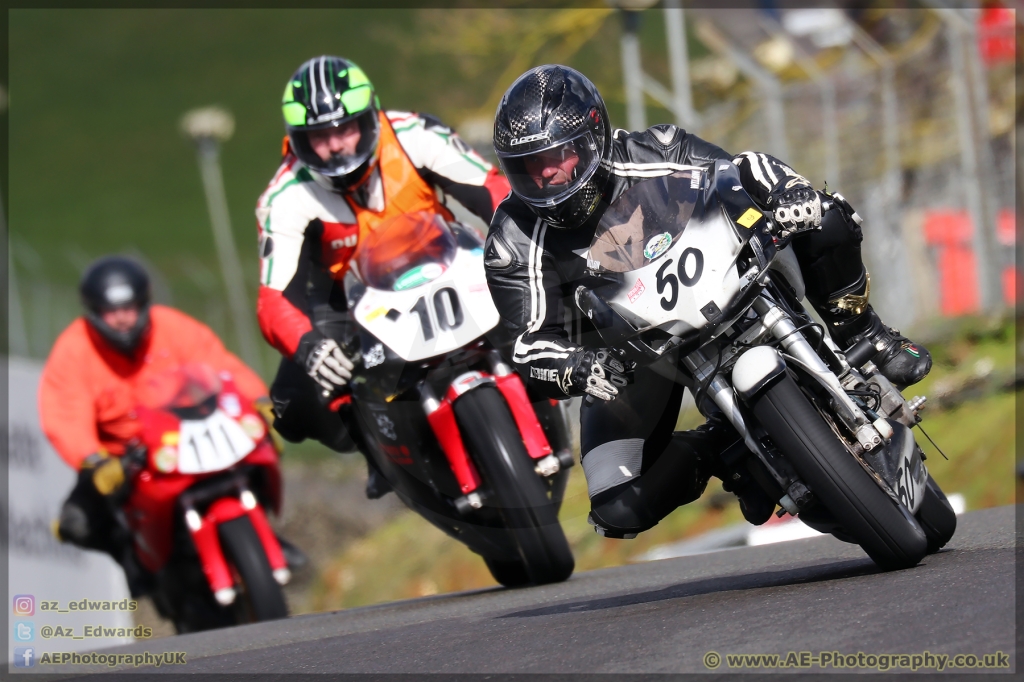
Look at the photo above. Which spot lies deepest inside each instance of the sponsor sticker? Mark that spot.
(636, 291)
(657, 245)
(419, 275)
(374, 314)
(230, 404)
(253, 426)
(166, 459)
(749, 217)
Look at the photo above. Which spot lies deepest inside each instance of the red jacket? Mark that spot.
(89, 391)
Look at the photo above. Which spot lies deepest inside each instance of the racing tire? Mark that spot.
(936, 516)
(260, 597)
(508, 573)
(882, 527)
(520, 495)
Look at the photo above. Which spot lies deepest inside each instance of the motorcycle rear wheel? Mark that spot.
(260, 597)
(884, 529)
(936, 516)
(530, 516)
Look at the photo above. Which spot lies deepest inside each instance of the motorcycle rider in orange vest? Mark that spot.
(347, 166)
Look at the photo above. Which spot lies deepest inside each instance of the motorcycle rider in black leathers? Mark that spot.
(566, 165)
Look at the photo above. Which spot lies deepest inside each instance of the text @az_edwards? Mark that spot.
(838, 661)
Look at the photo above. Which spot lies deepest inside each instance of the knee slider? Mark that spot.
(614, 518)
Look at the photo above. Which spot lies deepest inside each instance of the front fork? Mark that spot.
(774, 320)
(441, 417)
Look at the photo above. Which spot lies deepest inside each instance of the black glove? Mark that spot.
(797, 208)
(325, 362)
(599, 373)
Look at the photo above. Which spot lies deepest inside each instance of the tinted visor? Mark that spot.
(346, 143)
(544, 177)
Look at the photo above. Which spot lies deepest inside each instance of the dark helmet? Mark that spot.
(116, 282)
(550, 113)
(329, 92)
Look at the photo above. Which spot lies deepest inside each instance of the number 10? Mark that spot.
(447, 308)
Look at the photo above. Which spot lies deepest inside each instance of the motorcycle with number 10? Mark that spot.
(445, 420)
(685, 269)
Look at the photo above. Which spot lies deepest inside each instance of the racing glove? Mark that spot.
(599, 372)
(326, 364)
(794, 209)
(105, 472)
(265, 407)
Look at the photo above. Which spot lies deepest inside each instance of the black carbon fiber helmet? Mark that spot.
(330, 92)
(116, 282)
(554, 117)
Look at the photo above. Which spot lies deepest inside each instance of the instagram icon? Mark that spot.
(24, 605)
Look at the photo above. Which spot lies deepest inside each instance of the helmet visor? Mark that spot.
(544, 177)
(339, 147)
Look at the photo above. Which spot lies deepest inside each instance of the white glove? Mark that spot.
(796, 209)
(329, 366)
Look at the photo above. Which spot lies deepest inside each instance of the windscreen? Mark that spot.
(406, 251)
(644, 221)
(183, 386)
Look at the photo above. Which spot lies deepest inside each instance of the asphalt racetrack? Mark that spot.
(814, 595)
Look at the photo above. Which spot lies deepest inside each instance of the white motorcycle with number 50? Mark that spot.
(685, 266)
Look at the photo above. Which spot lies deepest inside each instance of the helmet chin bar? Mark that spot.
(124, 342)
(576, 209)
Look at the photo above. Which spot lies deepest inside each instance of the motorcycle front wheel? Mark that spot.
(260, 596)
(515, 489)
(881, 526)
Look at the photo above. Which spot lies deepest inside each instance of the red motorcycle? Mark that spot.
(201, 481)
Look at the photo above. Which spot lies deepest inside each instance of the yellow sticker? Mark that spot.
(169, 438)
(750, 217)
(373, 315)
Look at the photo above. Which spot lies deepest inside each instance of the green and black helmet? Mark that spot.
(331, 93)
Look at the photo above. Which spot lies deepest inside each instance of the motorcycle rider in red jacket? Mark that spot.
(566, 165)
(347, 166)
(97, 373)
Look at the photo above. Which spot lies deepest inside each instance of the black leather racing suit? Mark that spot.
(637, 469)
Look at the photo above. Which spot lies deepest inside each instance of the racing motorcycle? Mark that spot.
(443, 418)
(685, 270)
(202, 474)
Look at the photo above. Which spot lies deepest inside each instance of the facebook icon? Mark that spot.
(24, 657)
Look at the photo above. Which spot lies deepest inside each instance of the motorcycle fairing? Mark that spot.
(435, 317)
(687, 287)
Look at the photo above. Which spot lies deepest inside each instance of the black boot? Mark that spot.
(900, 360)
(293, 556)
(756, 505)
(376, 485)
(850, 318)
